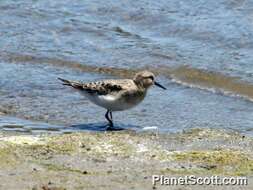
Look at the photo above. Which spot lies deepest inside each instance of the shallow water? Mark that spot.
(201, 50)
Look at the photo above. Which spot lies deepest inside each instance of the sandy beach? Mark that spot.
(122, 160)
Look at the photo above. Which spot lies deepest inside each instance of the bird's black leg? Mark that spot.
(107, 116)
(111, 115)
(109, 119)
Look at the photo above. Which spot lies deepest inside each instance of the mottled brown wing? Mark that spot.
(101, 88)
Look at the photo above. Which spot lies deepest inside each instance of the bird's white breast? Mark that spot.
(110, 102)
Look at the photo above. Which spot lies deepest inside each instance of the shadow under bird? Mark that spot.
(116, 94)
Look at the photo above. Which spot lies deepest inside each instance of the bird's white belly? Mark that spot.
(110, 102)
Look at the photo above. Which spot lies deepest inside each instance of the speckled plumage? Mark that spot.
(115, 95)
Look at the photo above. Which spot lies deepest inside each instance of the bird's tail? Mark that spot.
(73, 84)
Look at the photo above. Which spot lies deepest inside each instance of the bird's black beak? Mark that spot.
(159, 85)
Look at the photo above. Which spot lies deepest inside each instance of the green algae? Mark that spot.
(8, 157)
(210, 134)
(226, 162)
(102, 145)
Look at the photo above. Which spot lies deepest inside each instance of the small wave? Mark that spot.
(19, 58)
(126, 33)
(213, 90)
(183, 75)
(212, 82)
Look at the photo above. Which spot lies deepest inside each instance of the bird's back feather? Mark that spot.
(99, 87)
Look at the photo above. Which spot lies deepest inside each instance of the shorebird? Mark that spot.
(116, 95)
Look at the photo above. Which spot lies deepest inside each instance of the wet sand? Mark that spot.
(121, 160)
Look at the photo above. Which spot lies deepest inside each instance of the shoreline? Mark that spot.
(121, 160)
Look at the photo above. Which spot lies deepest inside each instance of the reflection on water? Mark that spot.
(11, 124)
(102, 127)
(8, 124)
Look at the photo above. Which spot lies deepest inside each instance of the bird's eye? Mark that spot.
(151, 77)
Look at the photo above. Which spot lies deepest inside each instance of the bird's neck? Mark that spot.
(140, 86)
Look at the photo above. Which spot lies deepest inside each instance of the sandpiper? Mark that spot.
(116, 95)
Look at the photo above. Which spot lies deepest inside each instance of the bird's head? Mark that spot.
(146, 79)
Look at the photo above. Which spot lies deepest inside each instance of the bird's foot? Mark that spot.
(110, 126)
